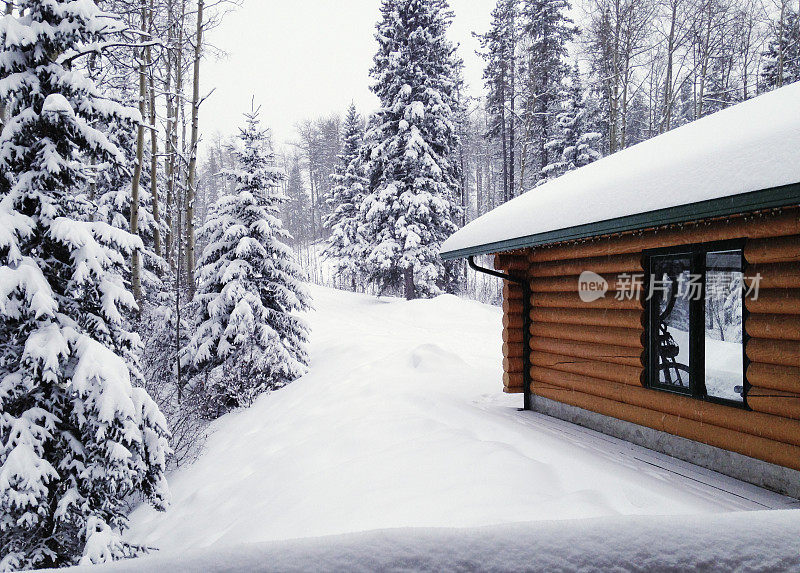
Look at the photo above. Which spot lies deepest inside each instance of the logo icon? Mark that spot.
(591, 286)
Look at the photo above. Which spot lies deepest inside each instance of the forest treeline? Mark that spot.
(563, 86)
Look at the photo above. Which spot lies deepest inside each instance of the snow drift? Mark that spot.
(401, 423)
(664, 544)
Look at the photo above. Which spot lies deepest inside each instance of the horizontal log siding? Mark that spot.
(589, 317)
(774, 376)
(591, 355)
(601, 352)
(755, 423)
(515, 264)
(614, 372)
(772, 451)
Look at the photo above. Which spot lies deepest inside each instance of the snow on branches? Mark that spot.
(76, 437)
(344, 245)
(248, 339)
(414, 177)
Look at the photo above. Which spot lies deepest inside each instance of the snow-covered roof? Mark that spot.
(728, 162)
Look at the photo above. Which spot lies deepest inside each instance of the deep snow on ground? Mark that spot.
(401, 423)
(764, 541)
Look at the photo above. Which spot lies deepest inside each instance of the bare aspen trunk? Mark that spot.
(613, 81)
(503, 136)
(704, 66)
(478, 178)
(191, 180)
(623, 132)
(512, 97)
(463, 172)
(781, 56)
(136, 262)
(523, 155)
(170, 143)
(178, 146)
(667, 117)
(489, 179)
(530, 105)
(543, 134)
(153, 144)
(169, 162)
(312, 190)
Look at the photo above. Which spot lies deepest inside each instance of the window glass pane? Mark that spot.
(671, 289)
(724, 356)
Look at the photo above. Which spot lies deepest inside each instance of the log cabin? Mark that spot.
(654, 294)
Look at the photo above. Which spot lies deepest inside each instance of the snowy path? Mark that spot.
(401, 423)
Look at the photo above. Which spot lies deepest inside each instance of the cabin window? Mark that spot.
(696, 321)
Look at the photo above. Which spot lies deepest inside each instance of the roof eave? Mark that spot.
(774, 197)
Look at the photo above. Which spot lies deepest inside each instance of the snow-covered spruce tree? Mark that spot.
(548, 32)
(76, 438)
(782, 56)
(574, 144)
(296, 208)
(499, 46)
(248, 339)
(414, 180)
(343, 245)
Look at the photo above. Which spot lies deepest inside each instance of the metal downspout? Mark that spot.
(526, 325)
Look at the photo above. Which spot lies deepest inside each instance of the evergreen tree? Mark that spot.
(685, 105)
(297, 211)
(500, 54)
(248, 339)
(782, 56)
(411, 205)
(548, 31)
(637, 126)
(574, 145)
(721, 92)
(76, 438)
(343, 245)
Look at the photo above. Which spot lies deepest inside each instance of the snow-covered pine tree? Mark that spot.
(782, 56)
(76, 438)
(574, 144)
(248, 339)
(297, 212)
(411, 207)
(343, 245)
(548, 30)
(721, 89)
(500, 54)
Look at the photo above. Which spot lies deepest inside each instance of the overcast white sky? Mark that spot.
(306, 58)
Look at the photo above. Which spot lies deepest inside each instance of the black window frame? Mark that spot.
(697, 388)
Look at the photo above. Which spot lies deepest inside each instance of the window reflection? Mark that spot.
(671, 277)
(724, 355)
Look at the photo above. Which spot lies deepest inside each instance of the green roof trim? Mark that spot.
(784, 196)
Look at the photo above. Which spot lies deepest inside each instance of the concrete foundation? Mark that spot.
(770, 476)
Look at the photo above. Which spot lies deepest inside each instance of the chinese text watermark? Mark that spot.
(687, 286)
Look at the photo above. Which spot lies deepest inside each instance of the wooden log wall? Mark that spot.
(591, 355)
(514, 264)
